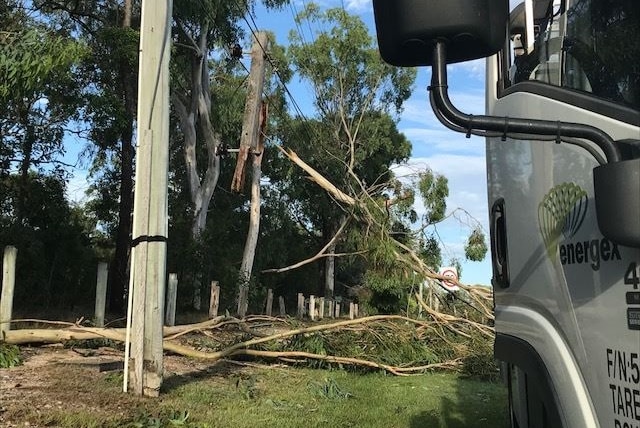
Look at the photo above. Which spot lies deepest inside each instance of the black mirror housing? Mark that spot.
(617, 194)
(408, 29)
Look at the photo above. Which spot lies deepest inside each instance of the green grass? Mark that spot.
(320, 398)
(238, 397)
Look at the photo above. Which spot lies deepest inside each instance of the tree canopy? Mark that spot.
(68, 78)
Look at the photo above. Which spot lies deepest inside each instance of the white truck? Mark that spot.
(562, 126)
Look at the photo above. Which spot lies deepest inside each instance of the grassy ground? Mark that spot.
(318, 398)
(47, 391)
(236, 397)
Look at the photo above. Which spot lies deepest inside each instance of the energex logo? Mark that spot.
(560, 215)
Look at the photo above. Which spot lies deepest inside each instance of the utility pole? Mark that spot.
(251, 119)
(250, 143)
(148, 248)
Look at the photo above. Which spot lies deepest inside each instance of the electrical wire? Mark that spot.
(308, 129)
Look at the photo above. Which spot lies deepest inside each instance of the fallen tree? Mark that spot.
(365, 209)
(393, 343)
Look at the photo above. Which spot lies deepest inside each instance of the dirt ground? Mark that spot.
(53, 378)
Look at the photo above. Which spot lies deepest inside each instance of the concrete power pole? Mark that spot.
(148, 249)
(249, 142)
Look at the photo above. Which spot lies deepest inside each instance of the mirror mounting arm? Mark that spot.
(505, 125)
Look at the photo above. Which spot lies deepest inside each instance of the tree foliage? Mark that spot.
(29, 56)
(71, 78)
(56, 256)
(434, 189)
(476, 248)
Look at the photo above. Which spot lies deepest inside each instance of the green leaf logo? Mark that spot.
(561, 213)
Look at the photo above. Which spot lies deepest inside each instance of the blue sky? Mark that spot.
(460, 159)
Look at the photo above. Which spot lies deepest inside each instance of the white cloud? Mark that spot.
(442, 140)
(358, 5)
(469, 101)
(474, 69)
(352, 6)
(418, 109)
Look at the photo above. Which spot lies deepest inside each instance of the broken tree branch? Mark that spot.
(338, 194)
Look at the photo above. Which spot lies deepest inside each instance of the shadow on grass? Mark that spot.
(465, 408)
(426, 420)
(221, 369)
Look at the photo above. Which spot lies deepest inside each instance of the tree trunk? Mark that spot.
(126, 19)
(119, 269)
(329, 272)
(193, 108)
(330, 261)
(248, 255)
(25, 164)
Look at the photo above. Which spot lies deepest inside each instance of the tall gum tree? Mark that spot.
(353, 139)
(38, 96)
(110, 30)
(202, 29)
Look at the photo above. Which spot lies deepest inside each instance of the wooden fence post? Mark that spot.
(312, 307)
(101, 293)
(300, 305)
(214, 301)
(352, 311)
(269, 302)
(283, 312)
(172, 294)
(356, 310)
(331, 308)
(8, 285)
(337, 310)
(321, 307)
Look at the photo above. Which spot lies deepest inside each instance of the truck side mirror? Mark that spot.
(617, 194)
(408, 29)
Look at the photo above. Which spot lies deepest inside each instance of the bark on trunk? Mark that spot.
(193, 107)
(25, 164)
(329, 272)
(119, 269)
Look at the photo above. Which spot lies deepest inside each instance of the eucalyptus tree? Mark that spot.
(38, 95)
(110, 30)
(202, 30)
(39, 98)
(353, 139)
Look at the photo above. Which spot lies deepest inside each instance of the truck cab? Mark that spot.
(562, 128)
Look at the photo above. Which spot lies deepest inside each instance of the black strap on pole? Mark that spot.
(147, 238)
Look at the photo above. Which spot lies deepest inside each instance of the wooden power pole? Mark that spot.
(251, 119)
(148, 249)
(249, 144)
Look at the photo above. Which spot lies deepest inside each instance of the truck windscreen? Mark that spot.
(591, 46)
